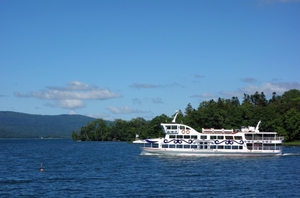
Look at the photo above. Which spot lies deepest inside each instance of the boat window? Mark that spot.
(248, 136)
(269, 135)
(238, 137)
(258, 136)
(186, 146)
(164, 146)
(227, 147)
(151, 145)
(240, 147)
(168, 127)
(235, 147)
(186, 137)
(179, 136)
(181, 127)
(172, 146)
(194, 137)
(213, 147)
(179, 146)
(174, 126)
(229, 137)
(154, 145)
(201, 147)
(203, 137)
(193, 146)
(172, 136)
(187, 128)
(271, 146)
(220, 137)
(213, 137)
(220, 147)
(249, 146)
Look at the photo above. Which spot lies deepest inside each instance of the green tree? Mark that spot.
(154, 128)
(137, 127)
(292, 124)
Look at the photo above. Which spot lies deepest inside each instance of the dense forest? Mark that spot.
(279, 113)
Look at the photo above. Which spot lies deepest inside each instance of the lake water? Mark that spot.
(116, 169)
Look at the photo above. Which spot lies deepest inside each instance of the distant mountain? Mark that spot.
(21, 125)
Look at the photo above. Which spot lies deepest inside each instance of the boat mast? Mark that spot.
(175, 116)
(257, 126)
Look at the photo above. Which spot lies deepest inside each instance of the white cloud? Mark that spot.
(19, 95)
(73, 85)
(76, 85)
(71, 96)
(268, 88)
(74, 91)
(91, 94)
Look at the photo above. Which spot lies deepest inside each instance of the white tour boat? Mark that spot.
(181, 139)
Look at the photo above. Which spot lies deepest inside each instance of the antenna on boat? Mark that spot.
(175, 116)
(257, 126)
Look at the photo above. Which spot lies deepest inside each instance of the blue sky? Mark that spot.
(123, 59)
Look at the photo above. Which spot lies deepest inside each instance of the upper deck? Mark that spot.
(249, 133)
(175, 128)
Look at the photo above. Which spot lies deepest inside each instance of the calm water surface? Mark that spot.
(116, 169)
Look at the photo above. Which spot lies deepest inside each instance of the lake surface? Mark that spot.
(116, 169)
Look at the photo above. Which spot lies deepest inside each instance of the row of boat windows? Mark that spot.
(175, 127)
(205, 137)
(194, 146)
(259, 146)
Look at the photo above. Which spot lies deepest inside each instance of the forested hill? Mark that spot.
(21, 125)
(278, 114)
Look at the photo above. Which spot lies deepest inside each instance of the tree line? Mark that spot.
(279, 113)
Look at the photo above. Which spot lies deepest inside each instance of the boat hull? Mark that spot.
(146, 141)
(212, 152)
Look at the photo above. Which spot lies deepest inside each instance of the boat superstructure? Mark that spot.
(181, 139)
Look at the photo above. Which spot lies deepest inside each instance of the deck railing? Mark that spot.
(264, 147)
